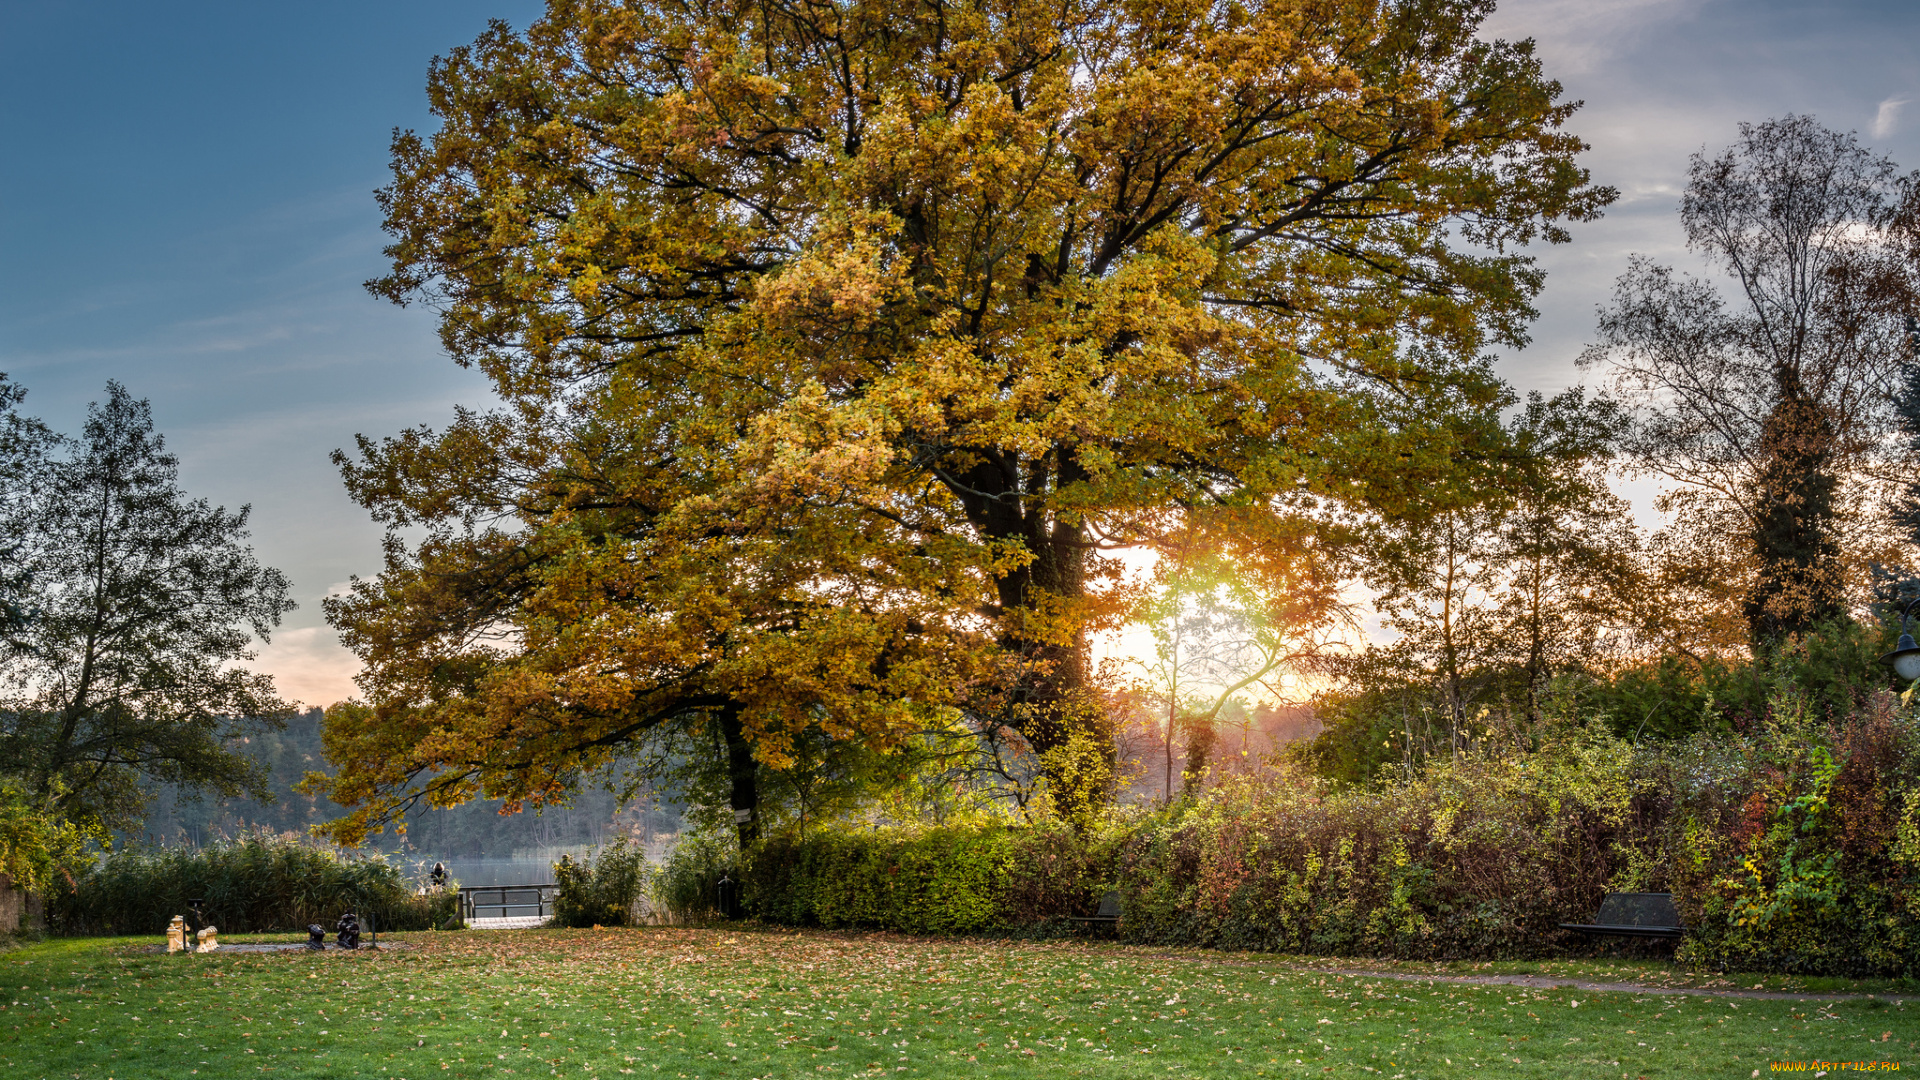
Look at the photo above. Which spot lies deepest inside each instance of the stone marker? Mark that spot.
(316, 937)
(177, 935)
(13, 906)
(349, 930)
(208, 942)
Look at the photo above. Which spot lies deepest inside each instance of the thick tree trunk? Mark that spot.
(1006, 498)
(744, 773)
(1798, 587)
(1057, 692)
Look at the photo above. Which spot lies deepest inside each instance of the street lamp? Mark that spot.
(1905, 656)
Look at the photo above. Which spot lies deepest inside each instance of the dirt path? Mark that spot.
(1549, 982)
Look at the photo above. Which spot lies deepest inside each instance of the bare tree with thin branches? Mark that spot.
(1758, 398)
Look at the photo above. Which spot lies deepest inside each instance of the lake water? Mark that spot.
(522, 869)
(501, 871)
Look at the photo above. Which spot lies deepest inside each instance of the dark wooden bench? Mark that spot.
(1108, 915)
(1634, 914)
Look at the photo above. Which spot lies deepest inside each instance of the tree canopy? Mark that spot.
(840, 343)
(123, 669)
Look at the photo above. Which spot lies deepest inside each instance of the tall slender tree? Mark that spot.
(23, 445)
(1502, 584)
(1906, 408)
(143, 604)
(1757, 406)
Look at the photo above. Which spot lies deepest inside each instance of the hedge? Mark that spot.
(939, 881)
(255, 884)
(1792, 847)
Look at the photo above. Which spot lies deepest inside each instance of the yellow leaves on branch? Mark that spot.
(842, 280)
(836, 341)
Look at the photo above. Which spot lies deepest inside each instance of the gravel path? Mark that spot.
(280, 946)
(1549, 982)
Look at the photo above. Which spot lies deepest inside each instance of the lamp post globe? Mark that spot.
(1905, 657)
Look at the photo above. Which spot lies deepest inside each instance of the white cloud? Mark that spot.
(1887, 120)
(309, 665)
(1576, 36)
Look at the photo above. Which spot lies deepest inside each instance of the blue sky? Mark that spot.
(185, 206)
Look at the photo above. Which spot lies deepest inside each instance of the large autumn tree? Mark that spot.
(995, 285)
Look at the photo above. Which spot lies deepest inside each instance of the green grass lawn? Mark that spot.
(687, 1003)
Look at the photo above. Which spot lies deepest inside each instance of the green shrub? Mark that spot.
(953, 880)
(601, 891)
(37, 851)
(935, 881)
(1480, 856)
(1384, 698)
(1795, 849)
(685, 885)
(261, 882)
(1832, 670)
(1793, 845)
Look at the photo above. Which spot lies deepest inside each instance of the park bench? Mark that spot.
(1108, 915)
(1634, 914)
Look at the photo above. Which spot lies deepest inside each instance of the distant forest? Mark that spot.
(473, 830)
(477, 830)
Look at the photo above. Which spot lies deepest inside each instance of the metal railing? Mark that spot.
(507, 900)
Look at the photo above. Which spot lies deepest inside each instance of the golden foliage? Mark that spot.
(838, 340)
